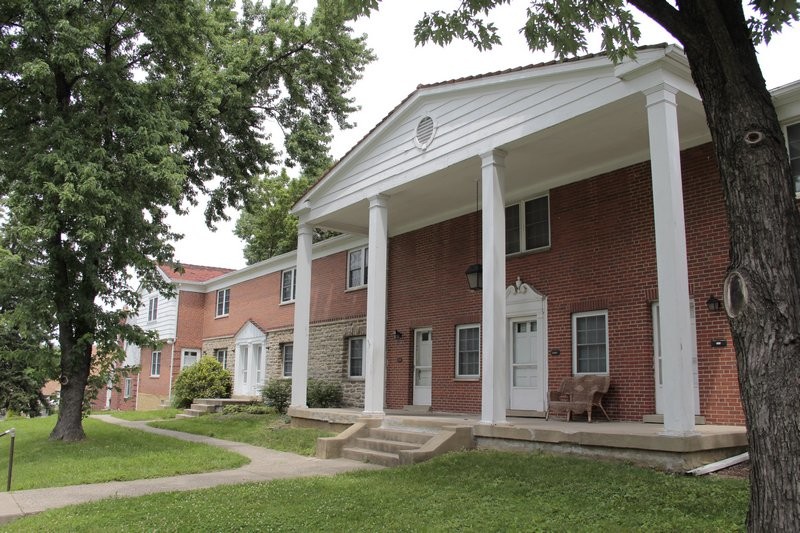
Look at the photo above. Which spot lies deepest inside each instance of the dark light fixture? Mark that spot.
(713, 304)
(475, 271)
(398, 334)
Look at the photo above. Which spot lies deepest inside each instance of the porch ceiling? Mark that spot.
(605, 139)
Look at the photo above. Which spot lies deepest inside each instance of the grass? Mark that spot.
(468, 491)
(109, 453)
(137, 416)
(267, 431)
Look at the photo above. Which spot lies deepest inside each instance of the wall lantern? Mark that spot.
(713, 304)
(475, 277)
(398, 334)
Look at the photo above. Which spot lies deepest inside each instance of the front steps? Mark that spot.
(375, 441)
(204, 406)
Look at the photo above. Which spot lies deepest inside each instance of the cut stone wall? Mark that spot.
(229, 343)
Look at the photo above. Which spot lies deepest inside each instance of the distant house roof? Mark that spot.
(193, 272)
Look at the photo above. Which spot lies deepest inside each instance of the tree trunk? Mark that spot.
(69, 426)
(764, 229)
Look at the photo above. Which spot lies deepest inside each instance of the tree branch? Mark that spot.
(669, 18)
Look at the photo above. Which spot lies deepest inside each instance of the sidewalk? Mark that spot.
(264, 465)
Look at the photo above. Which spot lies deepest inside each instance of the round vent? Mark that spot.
(425, 131)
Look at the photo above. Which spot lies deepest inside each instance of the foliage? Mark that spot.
(278, 394)
(324, 393)
(155, 414)
(248, 409)
(268, 431)
(20, 391)
(112, 453)
(266, 226)
(116, 113)
(470, 491)
(205, 379)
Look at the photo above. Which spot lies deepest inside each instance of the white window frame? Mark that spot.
(283, 359)
(293, 273)
(350, 340)
(152, 309)
(127, 390)
(794, 158)
(521, 222)
(223, 307)
(459, 329)
(363, 266)
(155, 363)
(224, 352)
(184, 353)
(586, 314)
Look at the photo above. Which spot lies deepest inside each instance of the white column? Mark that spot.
(673, 273)
(494, 384)
(375, 356)
(302, 314)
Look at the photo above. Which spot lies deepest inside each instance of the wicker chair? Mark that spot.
(579, 394)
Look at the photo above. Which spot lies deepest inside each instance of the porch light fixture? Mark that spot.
(398, 334)
(713, 304)
(475, 271)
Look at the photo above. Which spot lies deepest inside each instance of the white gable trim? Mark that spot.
(249, 332)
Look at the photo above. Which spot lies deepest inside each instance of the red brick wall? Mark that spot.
(602, 256)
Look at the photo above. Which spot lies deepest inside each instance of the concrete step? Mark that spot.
(204, 407)
(381, 445)
(371, 456)
(400, 435)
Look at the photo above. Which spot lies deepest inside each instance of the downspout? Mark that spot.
(174, 339)
(136, 402)
(171, 367)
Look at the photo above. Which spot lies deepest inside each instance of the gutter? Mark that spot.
(719, 465)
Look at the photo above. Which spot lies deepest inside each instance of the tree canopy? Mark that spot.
(113, 112)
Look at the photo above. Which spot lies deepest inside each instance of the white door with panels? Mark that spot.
(249, 374)
(423, 366)
(527, 365)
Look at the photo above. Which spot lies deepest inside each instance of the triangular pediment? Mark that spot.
(249, 331)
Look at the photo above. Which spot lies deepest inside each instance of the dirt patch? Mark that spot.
(742, 470)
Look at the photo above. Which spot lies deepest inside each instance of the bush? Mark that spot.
(204, 379)
(250, 409)
(324, 393)
(278, 394)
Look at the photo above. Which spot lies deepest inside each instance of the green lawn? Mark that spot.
(267, 431)
(136, 416)
(109, 453)
(469, 491)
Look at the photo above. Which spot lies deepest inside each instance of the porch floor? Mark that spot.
(635, 442)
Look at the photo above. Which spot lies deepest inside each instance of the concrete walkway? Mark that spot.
(264, 465)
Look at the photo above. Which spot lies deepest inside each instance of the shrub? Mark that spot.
(204, 379)
(278, 394)
(249, 409)
(324, 393)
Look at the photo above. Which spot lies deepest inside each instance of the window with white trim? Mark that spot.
(223, 302)
(127, 390)
(793, 138)
(357, 268)
(221, 355)
(590, 342)
(152, 309)
(468, 351)
(189, 357)
(287, 351)
(155, 364)
(528, 225)
(288, 285)
(355, 357)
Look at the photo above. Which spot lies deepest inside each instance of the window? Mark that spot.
(528, 225)
(468, 351)
(221, 355)
(128, 389)
(288, 285)
(356, 357)
(223, 302)
(793, 136)
(357, 268)
(288, 356)
(189, 358)
(155, 364)
(152, 309)
(590, 342)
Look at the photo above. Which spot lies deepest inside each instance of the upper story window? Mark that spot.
(288, 358)
(793, 137)
(288, 285)
(355, 348)
(357, 268)
(223, 302)
(152, 309)
(468, 351)
(528, 225)
(590, 342)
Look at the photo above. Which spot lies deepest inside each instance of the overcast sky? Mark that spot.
(401, 66)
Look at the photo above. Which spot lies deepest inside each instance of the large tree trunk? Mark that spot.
(765, 253)
(75, 365)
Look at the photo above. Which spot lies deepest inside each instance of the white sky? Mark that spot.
(400, 67)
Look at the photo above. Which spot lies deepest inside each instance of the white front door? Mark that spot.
(657, 363)
(250, 369)
(527, 365)
(423, 372)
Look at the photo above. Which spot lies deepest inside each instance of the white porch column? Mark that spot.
(375, 349)
(302, 314)
(494, 385)
(673, 273)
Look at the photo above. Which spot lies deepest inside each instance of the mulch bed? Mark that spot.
(742, 470)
